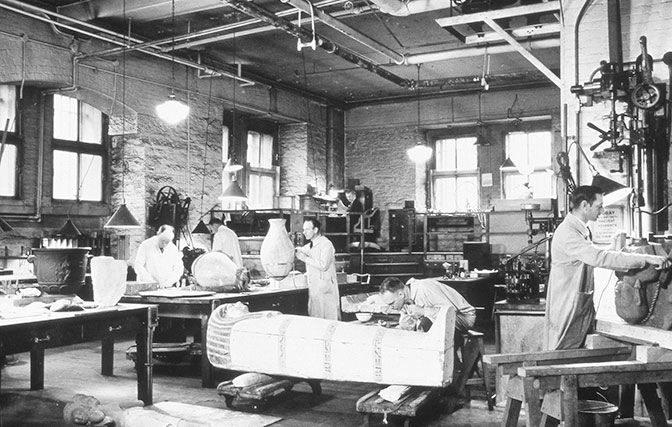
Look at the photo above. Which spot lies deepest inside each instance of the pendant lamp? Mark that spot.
(613, 191)
(69, 229)
(233, 193)
(201, 228)
(122, 217)
(172, 111)
(420, 153)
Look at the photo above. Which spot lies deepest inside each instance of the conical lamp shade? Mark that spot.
(122, 218)
(233, 192)
(613, 191)
(5, 227)
(69, 229)
(201, 228)
(508, 163)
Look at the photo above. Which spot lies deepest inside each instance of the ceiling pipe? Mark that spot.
(401, 8)
(355, 35)
(445, 55)
(37, 15)
(175, 41)
(253, 10)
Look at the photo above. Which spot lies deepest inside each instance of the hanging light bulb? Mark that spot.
(172, 111)
(420, 153)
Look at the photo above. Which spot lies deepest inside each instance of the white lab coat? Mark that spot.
(226, 240)
(570, 311)
(153, 265)
(323, 298)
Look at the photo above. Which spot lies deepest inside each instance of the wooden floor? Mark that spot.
(76, 369)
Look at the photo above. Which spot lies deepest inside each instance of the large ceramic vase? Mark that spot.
(277, 250)
(60, 270)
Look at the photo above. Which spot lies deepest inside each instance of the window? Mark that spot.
(78, 152)
(9, 161)
(455, 178)
(261, 171)
(531, 154)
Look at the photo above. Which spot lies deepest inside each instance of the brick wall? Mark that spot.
(156, 154)
(377, 138)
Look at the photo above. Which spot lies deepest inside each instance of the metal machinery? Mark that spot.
(639, 132)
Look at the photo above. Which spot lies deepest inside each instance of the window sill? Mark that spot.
(62, 207)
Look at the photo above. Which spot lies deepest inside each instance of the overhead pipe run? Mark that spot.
(406, 8)
(355, 35)
(305, 35)
(36, 13)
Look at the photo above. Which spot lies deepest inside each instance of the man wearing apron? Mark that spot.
(569, 298)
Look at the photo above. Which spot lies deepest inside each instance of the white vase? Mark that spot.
(277, 250)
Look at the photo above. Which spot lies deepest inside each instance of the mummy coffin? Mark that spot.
(279, 344)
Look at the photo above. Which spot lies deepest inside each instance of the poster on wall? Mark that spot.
(607, 225)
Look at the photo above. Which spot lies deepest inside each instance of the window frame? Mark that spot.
(15, 138)
(510, 171)
(457, 173)
(79, 147)
(271, 172)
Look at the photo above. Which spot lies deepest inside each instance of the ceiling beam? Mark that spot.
(549, 7)
(307, 36)
(526, 53)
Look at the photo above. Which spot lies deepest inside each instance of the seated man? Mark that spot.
(423, 298)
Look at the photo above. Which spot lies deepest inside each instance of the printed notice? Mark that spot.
(609, 223)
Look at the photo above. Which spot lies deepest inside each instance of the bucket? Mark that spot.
(60, 270)
(596, 413)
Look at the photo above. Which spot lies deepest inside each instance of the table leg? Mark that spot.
(143, 363)
(652, 402)
(570, 400)
(107, 356)
(37, 368)
(532, 402)
(207, 371)
(626, 400)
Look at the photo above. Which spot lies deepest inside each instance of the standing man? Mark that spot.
(226, 240)
(158, 259)
(570, 311)
(319, 256)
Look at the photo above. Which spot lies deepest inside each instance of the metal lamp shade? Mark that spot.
(201, 228)
(122, 218)
(69, 229)
(233, 192)
(613, 191)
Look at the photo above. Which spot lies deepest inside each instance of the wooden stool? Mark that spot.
(260, 394)
(472, 353)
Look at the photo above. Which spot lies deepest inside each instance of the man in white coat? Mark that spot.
(319, 256)
(158, 259)
(570, 311)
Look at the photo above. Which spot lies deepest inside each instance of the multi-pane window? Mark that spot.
(261, 171)
(455, 177)
(9, 154)
(530, 152)
(79, 150)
